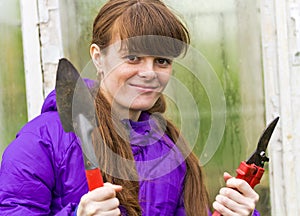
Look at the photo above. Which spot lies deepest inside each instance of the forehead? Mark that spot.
(150, 45)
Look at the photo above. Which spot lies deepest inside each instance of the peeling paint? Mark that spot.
(295, 18)
(289, 136)
(51, 41)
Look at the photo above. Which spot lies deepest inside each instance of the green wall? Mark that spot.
(13, 111)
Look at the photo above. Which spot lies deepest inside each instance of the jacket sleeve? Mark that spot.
(255, 213)
(180, 211)
(27, 178)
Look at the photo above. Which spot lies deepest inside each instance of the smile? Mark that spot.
(146, 88)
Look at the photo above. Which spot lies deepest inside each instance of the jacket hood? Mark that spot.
(50, 103)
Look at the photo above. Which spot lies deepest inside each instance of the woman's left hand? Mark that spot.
(237, 199)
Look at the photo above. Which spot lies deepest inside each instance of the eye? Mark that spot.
(163, 62)
(132, 59)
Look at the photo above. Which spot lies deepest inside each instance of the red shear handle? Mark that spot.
(250, 173)
(216, 213)
(94, 178)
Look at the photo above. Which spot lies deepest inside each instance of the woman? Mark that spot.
(42, 171)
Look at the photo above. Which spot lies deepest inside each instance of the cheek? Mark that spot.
(115, 80)
(164, 78)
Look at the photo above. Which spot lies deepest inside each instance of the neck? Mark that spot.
(122, 112)
(128, 114)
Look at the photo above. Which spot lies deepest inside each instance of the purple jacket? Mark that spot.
(42, 170)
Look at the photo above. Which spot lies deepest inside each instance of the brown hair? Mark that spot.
(132, 18)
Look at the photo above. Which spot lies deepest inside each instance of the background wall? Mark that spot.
(13, 109)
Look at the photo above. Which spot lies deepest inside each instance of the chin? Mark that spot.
(141, 107)
(143, 103)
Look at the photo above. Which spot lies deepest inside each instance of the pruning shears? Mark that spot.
(76, 110)
(252, 170)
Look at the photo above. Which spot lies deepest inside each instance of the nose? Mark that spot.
(147, 75)
(147, 70)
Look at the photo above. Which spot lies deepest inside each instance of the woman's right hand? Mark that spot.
(101, 201)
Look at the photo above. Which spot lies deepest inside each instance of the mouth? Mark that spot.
(145, 88)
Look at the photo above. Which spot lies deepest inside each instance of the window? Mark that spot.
(13, 109)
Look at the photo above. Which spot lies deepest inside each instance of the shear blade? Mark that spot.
(259, 156)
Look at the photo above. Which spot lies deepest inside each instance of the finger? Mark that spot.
(114, 212)
(239, 184)
(117, 188)
(222, 209)
(230, 207)
(236, 201)
(99, 194)
(89, 206)
(97, 208)
(108, 205)
(234, 195)
(243, 187)
(226, 176)
(225, 201)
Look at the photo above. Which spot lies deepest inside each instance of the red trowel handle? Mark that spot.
(94, 178)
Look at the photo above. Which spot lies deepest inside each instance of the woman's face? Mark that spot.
(133, 82)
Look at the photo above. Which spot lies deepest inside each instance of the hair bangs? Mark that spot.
(148, 30)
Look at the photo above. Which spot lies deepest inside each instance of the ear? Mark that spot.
(96, 56)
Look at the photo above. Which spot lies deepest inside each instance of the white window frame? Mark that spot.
(42, 44)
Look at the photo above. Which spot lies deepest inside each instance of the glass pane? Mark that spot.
(77, 21)
(227, 33)
(13, 109)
